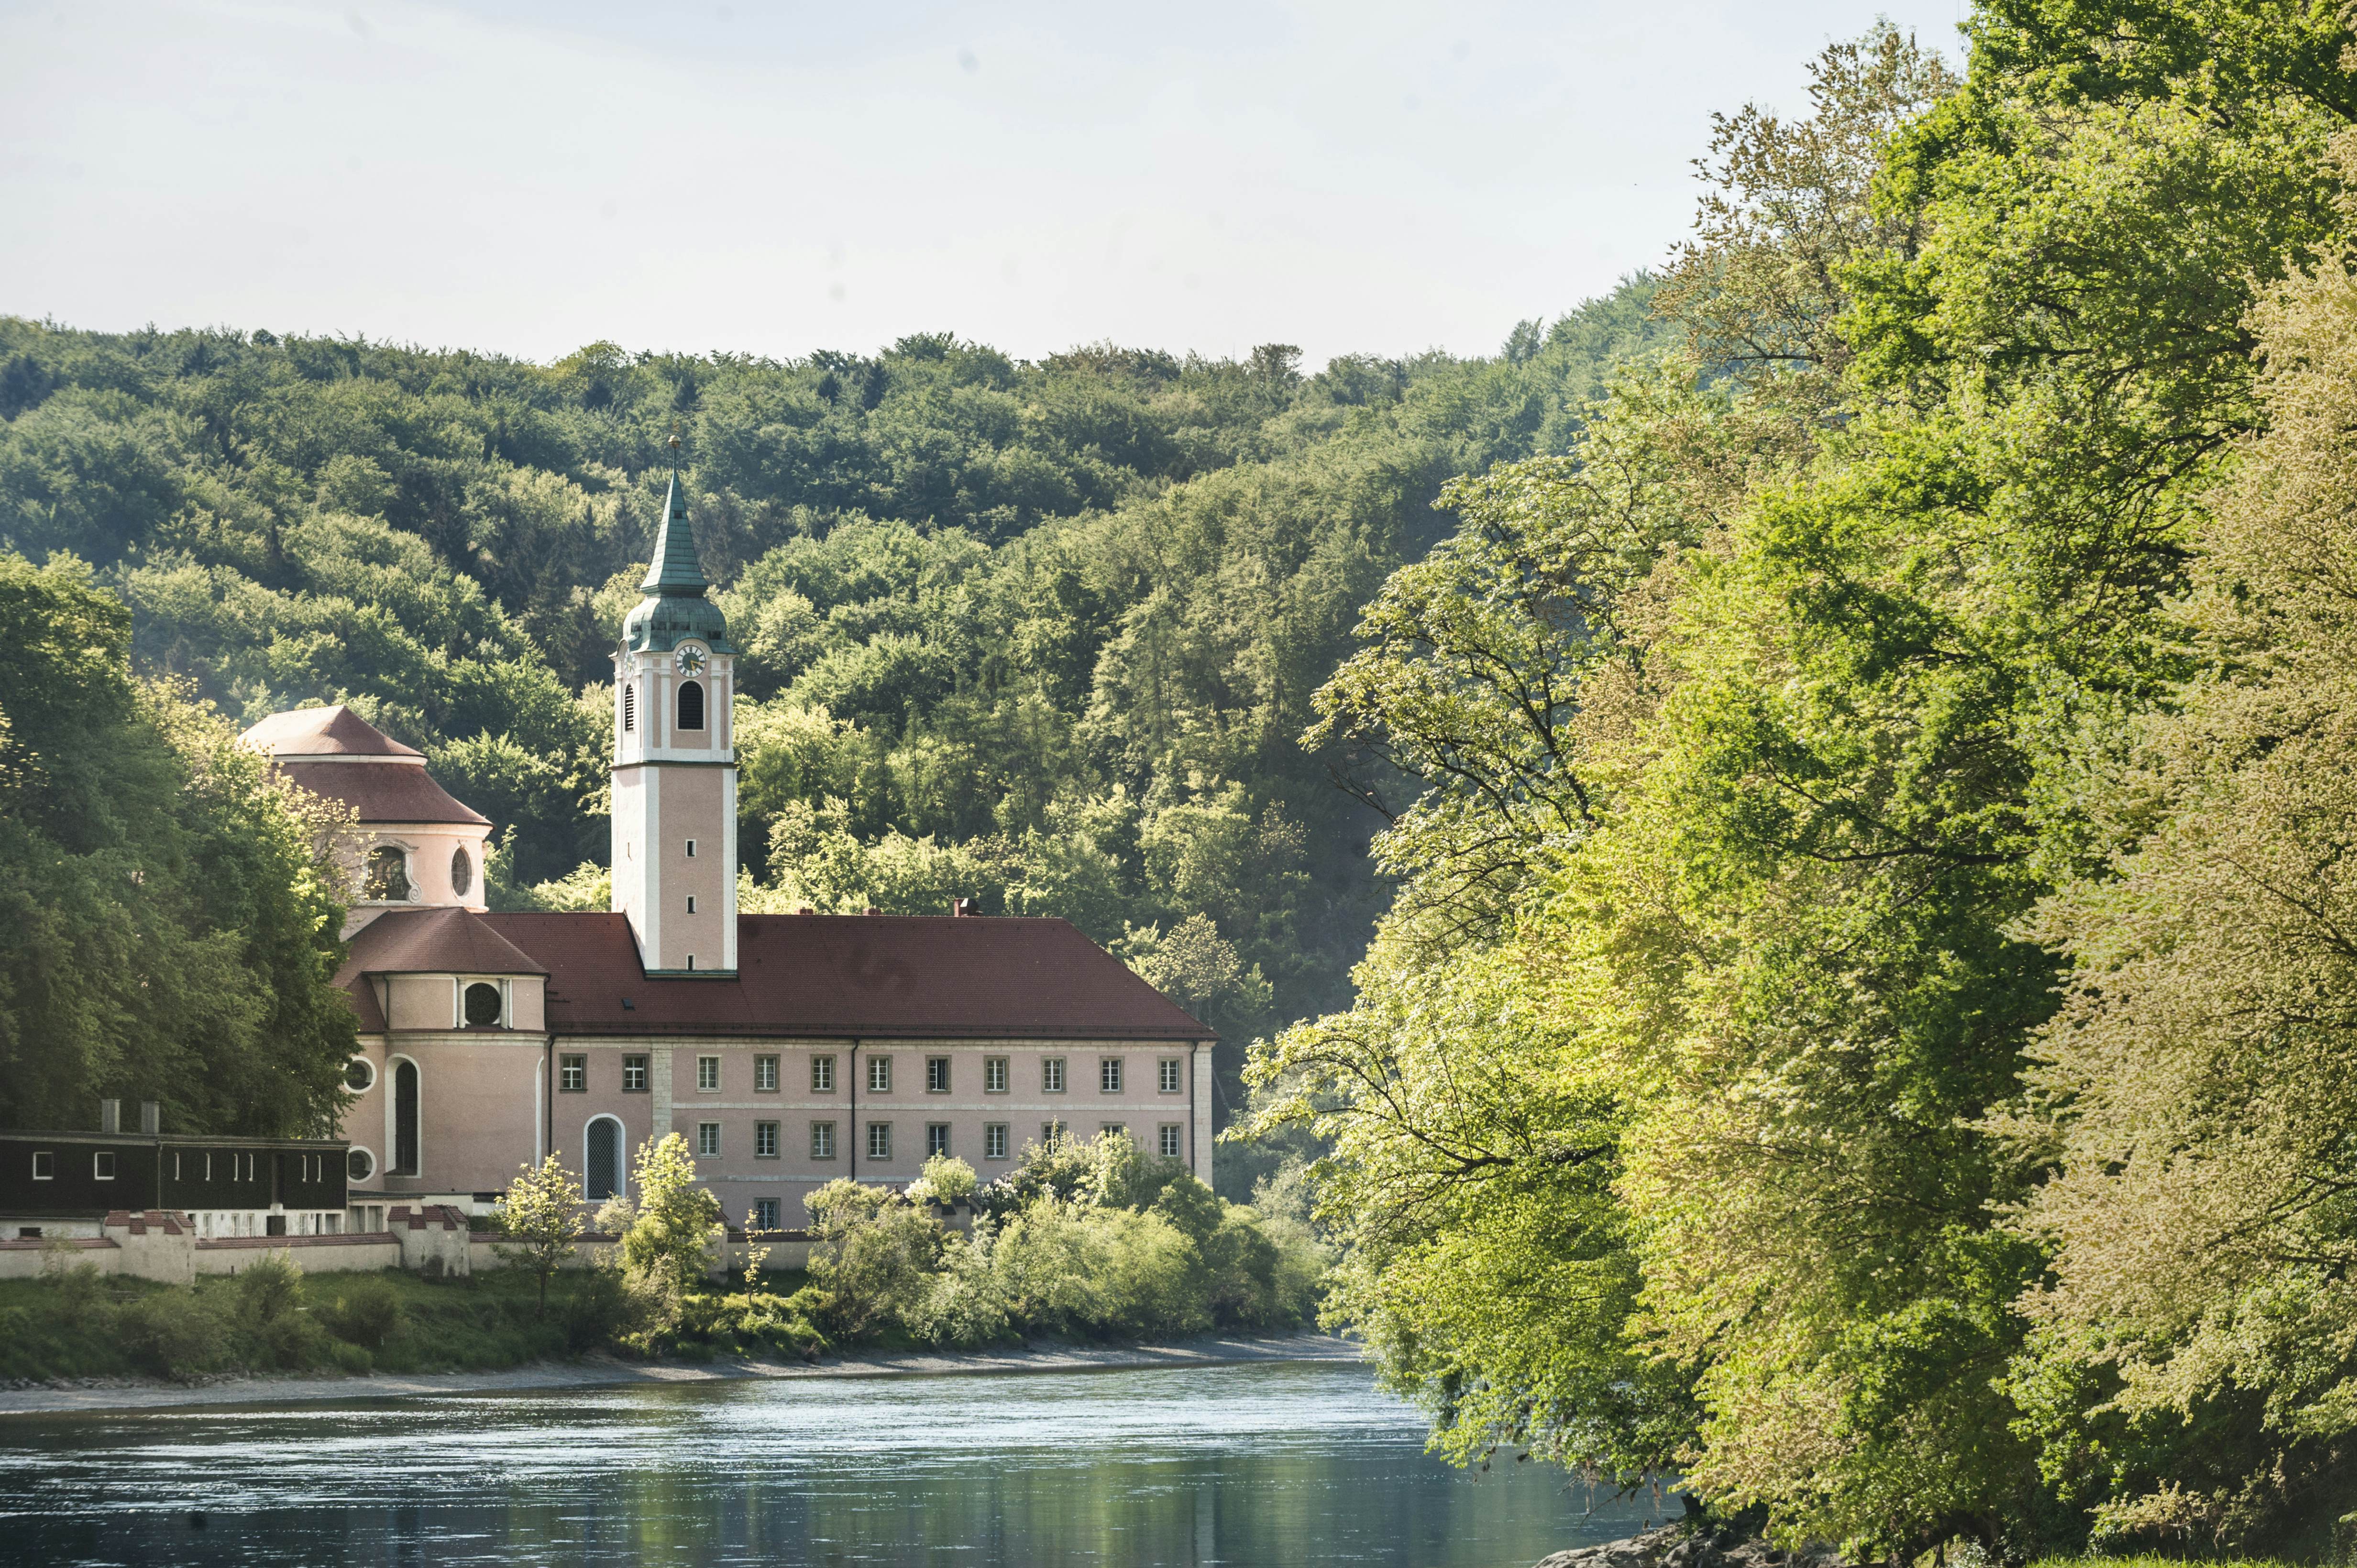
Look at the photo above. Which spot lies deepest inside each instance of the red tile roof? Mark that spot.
(384, 792)
(323, 731)
(835, 975)
(827, 976)
(432, 941)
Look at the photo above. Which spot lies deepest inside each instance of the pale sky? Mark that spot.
(528, 175)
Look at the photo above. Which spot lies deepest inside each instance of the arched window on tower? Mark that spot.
(629, 709)
(690, 705)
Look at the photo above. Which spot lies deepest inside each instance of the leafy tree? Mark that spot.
(171, 915)
(541, 1216)
(675, 1223)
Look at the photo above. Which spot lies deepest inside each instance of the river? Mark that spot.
(1282, 1465)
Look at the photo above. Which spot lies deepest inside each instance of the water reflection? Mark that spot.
(1267, 1466)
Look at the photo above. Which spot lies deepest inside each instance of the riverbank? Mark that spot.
(107, 1395)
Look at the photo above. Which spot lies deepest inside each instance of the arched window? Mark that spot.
(690, 705)
(404, 1119)
(388, 876)
(629, 709)
(462, 871)
(603, 1160)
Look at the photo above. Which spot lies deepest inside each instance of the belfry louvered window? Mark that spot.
(629, 709)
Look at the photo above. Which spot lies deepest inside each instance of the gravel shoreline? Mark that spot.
(107, 1394)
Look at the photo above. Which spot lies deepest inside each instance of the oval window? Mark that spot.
(360, 1076)
(462, 871)
(482, 1003)
(360, 1164)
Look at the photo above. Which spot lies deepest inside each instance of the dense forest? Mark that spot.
(1834, 766)
(1868, 1017)
(1042, 633)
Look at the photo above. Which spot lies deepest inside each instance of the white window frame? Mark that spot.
(880, 1075)
(879, 1148)
(1107, 1129)
(1173, 1141)
(101, 1164)
(44, 1164)
(707, 1140)
(757, 1220)
(765, 1133)
(937, 1069)
(1109, 1074)
(1052, 1075)
(822, 1074)
(1169, 1080)
(822, 1133)
(567, 1063)
(994, 1139)
(765, 1075)
(937, 1138)
(637, 1063)
(702, 1086)
(458, 1000)
(996, 1074)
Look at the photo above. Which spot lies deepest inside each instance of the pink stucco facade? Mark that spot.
(789, 1050)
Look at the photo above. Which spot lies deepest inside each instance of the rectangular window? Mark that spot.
(634, 1075)
(765, 1139)
(1051, 1131)
(821, 1075)
(691, 903)
(707, 1139)
(879, 1140)
(763, 1216)
(937, 1075)
(821, 1140)
(994, 1074)
(44, 1164)
(765, 1075)
(708, 1074)
(690, 848)
(101, 1164)
(937, 1138)
(880, 1075)
(1173, 1144)
(1052, 1075)
(1168, 1080)
(1109, 1075)
(994, 1140)
(573, 1074)
(1110, 1128)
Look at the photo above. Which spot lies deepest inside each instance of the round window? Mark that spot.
(482, 1003)
(462, 871)
(360, 1077)
(360, 1164)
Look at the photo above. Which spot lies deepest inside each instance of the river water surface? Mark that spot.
(1258, 1466)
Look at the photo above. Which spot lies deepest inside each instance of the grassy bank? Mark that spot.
(272, 1317)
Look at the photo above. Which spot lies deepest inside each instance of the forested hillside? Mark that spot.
(1044, 635)
(1868, 1015)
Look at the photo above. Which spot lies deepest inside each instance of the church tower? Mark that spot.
(675, 764)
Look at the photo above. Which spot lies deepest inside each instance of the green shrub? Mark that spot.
(595, 1311)
(272, 1322)
(174, 1333)
(359, 1309)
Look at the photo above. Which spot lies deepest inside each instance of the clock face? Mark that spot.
(691, 658)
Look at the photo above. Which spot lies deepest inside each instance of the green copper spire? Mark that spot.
(674, 608)
(675, 569)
